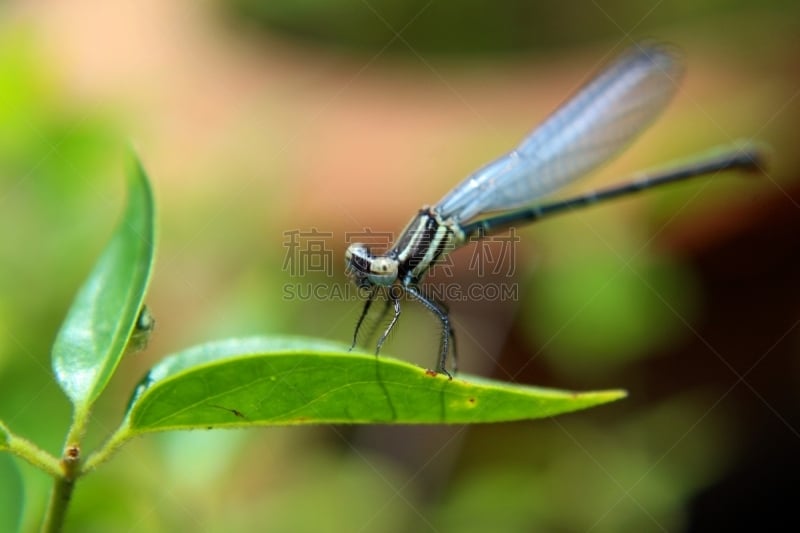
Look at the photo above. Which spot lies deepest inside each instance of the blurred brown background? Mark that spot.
(256, 118)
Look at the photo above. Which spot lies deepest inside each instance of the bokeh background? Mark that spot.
(257, 118)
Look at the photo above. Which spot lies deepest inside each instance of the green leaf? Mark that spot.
(282, 381)
(93, 337)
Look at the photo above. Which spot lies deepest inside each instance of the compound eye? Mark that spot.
(357, 261)
(357, 258)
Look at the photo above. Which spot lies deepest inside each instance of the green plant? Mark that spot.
(256, 381)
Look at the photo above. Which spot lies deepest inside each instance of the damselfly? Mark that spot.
(588, 130)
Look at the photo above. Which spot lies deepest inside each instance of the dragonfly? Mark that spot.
(589, 129)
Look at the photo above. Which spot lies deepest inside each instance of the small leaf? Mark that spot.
(282, 381)
(93, 337)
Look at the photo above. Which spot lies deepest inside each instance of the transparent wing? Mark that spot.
(589, 129)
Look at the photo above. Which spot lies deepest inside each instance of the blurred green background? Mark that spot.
(256, 119)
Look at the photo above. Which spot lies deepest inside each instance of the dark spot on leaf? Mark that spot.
(471, 400)
(431, 373)
(234, 412)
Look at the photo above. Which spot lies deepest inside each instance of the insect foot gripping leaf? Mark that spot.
(94, 334)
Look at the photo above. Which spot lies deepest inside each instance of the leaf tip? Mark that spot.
(606, 396)
(134, 167)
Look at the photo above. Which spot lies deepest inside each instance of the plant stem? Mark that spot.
(62, 489)
(69, 471)
(70, 468)
(108, 449)
(57, 507)
(78, 427)
(39, 458)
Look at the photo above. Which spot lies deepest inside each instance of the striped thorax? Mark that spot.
(426, 239)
